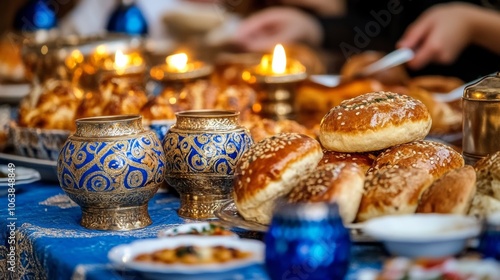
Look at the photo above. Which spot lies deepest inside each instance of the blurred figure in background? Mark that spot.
(449, 38)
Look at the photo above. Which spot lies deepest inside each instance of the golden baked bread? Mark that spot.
(374, 121)
(269, 170)
(312, 97)
(201, 94)
(115, 97)
(239, 98)
(445, 117)
(394, 191)
(261, 128)
(450, 194)
(157, 108)
(11, 65)
(488, 175)
(50, 106)
(483, 205)
(436, 83)
(392, 76)
(433, 157)
(363, 160)
(333, 182)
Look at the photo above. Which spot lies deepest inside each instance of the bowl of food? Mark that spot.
(423, 235)
(187, 256)
(197, 229)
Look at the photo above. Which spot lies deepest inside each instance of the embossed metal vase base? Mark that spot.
(117, 218)
(201, 201)
(202, 150)
(112, 167)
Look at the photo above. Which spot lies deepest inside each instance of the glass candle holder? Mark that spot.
(307, 241)
(489, 244)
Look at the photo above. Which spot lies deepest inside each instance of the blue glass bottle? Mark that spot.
(489, 244)
(127, 18)
(307, 241)
(35, 15)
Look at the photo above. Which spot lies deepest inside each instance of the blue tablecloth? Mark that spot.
(51, 244)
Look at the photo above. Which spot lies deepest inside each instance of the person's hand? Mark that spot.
(320, 7)
(440, 34)
(263, 30)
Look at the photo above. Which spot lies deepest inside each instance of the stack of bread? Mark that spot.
(446, 116)
(487, 200)
(371, 159)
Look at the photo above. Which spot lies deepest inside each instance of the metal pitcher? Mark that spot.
(481, 119)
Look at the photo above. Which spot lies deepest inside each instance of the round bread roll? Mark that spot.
(436, 83)
(339, 182)
(392, 76)
(373, 122)
(313, 97)
(393, 191)
(51, 105)
(269, 170)
(363, 160)
(445, 117)
(434, 157)
(157, 108)
(450, 194)
(488, 175)
(484, 205)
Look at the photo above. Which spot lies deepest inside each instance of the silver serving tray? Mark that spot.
(229, 217)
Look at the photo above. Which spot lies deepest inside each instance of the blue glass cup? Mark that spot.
(489, 245)
(307, 241)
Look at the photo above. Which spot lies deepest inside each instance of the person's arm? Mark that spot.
(442, 32)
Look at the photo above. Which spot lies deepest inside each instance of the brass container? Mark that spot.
(276, 94)
(481, 119)
(112, 167)
(203, 148)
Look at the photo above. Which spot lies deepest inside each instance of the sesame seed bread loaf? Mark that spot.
(339, 182)
(434, 157)
(373, 122)
(363, 160)
(269, 170)
(393, 191)
(450, 194)
(488, 175)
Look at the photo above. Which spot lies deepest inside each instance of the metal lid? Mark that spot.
(487, 89)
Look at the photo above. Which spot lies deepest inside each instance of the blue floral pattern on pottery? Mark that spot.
(216, 153)
(111, 165)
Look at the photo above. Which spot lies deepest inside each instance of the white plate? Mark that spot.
(185, 229)
(122, 256)
(46, 168)
(13, 93)
(23, 175)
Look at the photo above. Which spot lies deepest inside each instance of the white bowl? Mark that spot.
(423, 235)
(122, 256)
(187, 229)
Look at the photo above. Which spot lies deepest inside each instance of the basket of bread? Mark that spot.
(372, 159)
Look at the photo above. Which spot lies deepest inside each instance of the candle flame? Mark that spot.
(279, 60)
(178, 61)
(121, 60)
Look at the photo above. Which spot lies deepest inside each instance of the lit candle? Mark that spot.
(276, 79)
(122, 61)
(278, 64)
(179, 67)
(177, 62)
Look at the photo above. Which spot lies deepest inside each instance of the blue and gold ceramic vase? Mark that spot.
(203, 148)
(112, 167)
